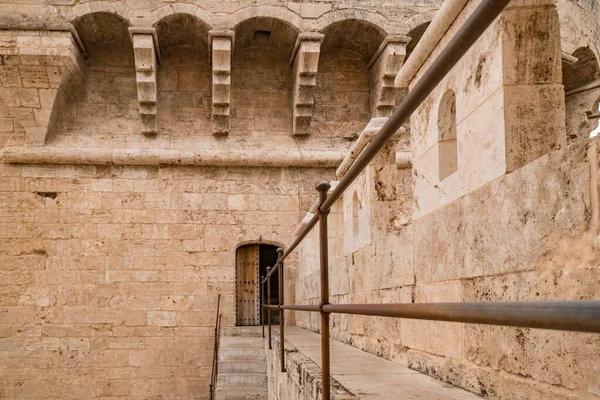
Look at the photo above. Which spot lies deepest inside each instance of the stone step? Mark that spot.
(242, 342)
(247, 331)
(242, 354)
(241, 393)
(253, 367)
(242, 380)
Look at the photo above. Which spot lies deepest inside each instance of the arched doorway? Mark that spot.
(252, 261)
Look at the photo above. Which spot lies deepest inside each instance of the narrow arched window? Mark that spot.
(448, 147)
(356, 207)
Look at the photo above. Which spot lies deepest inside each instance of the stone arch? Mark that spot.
(417, 20)
(110, 7)
(260, 241)
(261, 78)
(342, 95)
(415, 28)
(101, 110)
(374, 18)
(184, 76)
(583, 71)
(183, 8)
(582, 94)
(286, 15)
(103, 34)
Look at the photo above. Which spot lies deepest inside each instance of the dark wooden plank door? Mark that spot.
(247, 286)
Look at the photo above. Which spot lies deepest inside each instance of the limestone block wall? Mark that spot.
(529, 235)
(524, 234)
(110, 274)
(501, 110)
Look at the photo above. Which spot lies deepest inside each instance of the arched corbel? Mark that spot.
(305, 64)
(383, 67)
(220, 53)
(147, 56)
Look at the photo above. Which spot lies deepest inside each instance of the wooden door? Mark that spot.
(247, 286)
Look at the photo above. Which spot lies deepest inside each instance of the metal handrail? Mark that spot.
(215, 361)
(580, 316)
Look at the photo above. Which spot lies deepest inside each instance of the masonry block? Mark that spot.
(305, 64)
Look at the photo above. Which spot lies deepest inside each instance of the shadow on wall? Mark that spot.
(262, 85)
(105, 109)
(184, 97)
(342, 94)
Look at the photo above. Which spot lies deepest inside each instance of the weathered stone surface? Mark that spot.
(146, 63)
(114, 245)
(510, 224)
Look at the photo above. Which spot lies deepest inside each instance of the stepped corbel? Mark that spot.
(384, 67)
(147, 55)
(305, 64)
(221, 49)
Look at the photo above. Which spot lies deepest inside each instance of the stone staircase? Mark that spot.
(242, 365)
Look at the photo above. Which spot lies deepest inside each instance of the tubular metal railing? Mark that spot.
(215, 362)
(579, 316)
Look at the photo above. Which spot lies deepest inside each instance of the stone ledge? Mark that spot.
(208, 158)
(303, 375)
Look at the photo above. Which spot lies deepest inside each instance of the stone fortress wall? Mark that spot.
(504, 207)
(144, 140)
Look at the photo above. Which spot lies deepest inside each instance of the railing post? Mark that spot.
(269, 303)
(262, 306)
(214, 370)
(323, 187)
(281, 302)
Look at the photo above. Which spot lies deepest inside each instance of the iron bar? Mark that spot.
(309, 226)
(312, 308)
(574, 316)
(268, 304)
(323, 187)
(577, 316)
(281, 316)
(262, 309)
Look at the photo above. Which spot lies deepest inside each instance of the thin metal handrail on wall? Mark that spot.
(580, 316)
(215, 361)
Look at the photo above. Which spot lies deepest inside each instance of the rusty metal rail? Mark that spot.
(579, 316)
(215, 362)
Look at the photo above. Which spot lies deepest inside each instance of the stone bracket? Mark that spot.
(384, 66)
(305, 64)
(147, 55)
(221, 45)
